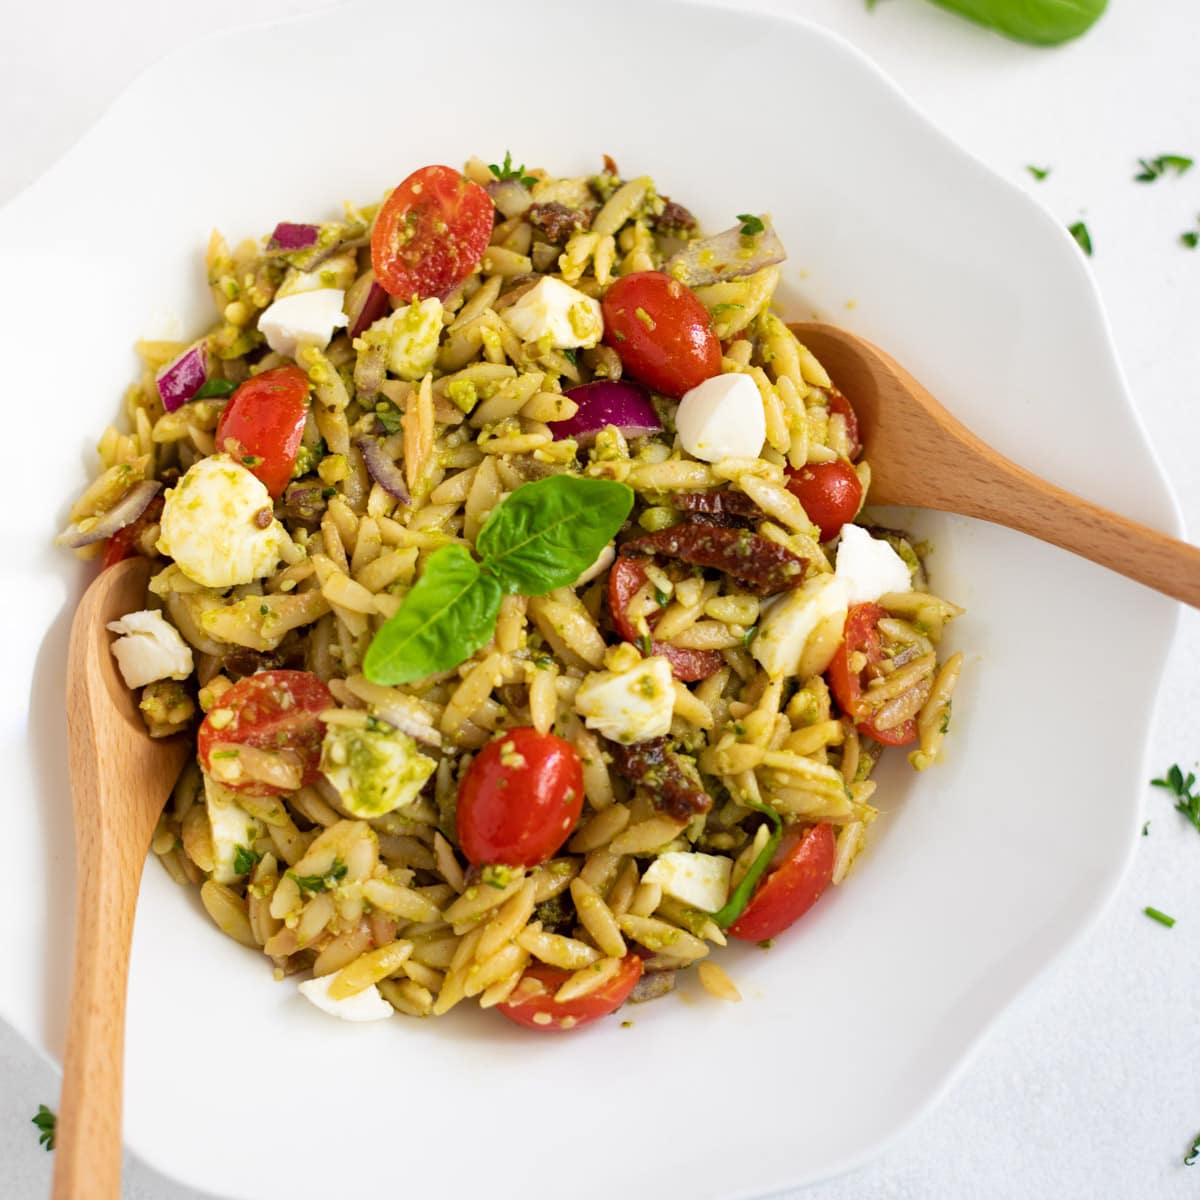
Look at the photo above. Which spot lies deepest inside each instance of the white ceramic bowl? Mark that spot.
(979, 873)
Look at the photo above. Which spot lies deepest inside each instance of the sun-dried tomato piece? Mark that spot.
(672, 790)
(757, 563)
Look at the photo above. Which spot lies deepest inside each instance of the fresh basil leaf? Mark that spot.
(215, 387)
(1041, 22)
(446, 617)
(736, 904)
(547, 532)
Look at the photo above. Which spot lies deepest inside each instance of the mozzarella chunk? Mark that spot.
(150, 649)
(374, 770)
(233, 828)
(869, 566)
(722, 418)
(210, 525)
(303, 318)
(632, 706)
(367, 1005)
(413, 334)
(699, 880)
(798, 634)
(337, 271)
(604, 560)
(555, 311)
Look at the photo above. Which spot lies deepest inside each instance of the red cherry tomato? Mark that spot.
(800, 871)
(273, 710)
(121, 545)
(533, 1005)
(624, 580)
(265, 418)
(522, 795)
(839, 404)
(831, 493)
(430, 233)
(861, 636)
(661, 331)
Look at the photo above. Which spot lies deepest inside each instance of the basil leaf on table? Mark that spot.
(1042, 22)
(546, 533)
(446, 617)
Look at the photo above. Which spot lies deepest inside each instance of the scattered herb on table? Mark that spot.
(1041, 22)
(1155, 168)
(1180, 786)
(1039, 173)
(1146, 829)
(47, 1124)
(1190, 238)
(1194, 1153)
(1157, 915)
(1079, 231)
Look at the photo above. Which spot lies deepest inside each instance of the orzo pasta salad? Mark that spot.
(506, 574)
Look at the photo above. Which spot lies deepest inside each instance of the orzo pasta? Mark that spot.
(506, 576)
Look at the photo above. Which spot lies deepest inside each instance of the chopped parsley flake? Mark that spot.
(312, 885)
(750, 224)
(1039, 173)
(1079, 231)
(1155, 168)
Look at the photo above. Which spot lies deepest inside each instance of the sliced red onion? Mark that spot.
(607, 402)
(366, 302)
(510, 196)
(724, 256)
(382, 469)
(181, 379)
(289, 236)
(124, 512)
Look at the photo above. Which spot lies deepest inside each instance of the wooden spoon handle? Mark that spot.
(87, 1156)
(1007, 494)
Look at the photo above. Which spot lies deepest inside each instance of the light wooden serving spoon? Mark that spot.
(922, 457)
(120, 779)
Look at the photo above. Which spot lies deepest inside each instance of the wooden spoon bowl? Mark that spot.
(120, 779)
(923, 457)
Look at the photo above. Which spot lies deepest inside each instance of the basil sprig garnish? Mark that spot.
(736, 904)
(546, 533)
(541, 537)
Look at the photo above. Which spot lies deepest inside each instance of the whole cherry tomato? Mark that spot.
(430, 233)
(532, 1002)
(800, 871)
(263, 424)
(861, 636)
(624, 581)
(831, 493)
(520, 799)
(273, 710)
(661, 332)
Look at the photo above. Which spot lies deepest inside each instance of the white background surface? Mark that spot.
(1091, 1087)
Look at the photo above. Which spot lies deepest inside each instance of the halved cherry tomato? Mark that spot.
(520, 799)
(830, 492)
(861, 636)
(661, 332)
(839, 404)
(533, 1005)
(624, 580)
(264, 421)
(430, 233)
(121, 545)
(800, 871)
(273, 710)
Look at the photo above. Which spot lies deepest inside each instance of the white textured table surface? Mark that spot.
(1090, 1089)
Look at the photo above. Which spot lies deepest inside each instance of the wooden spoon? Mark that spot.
(120, 779)
(922, 457)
